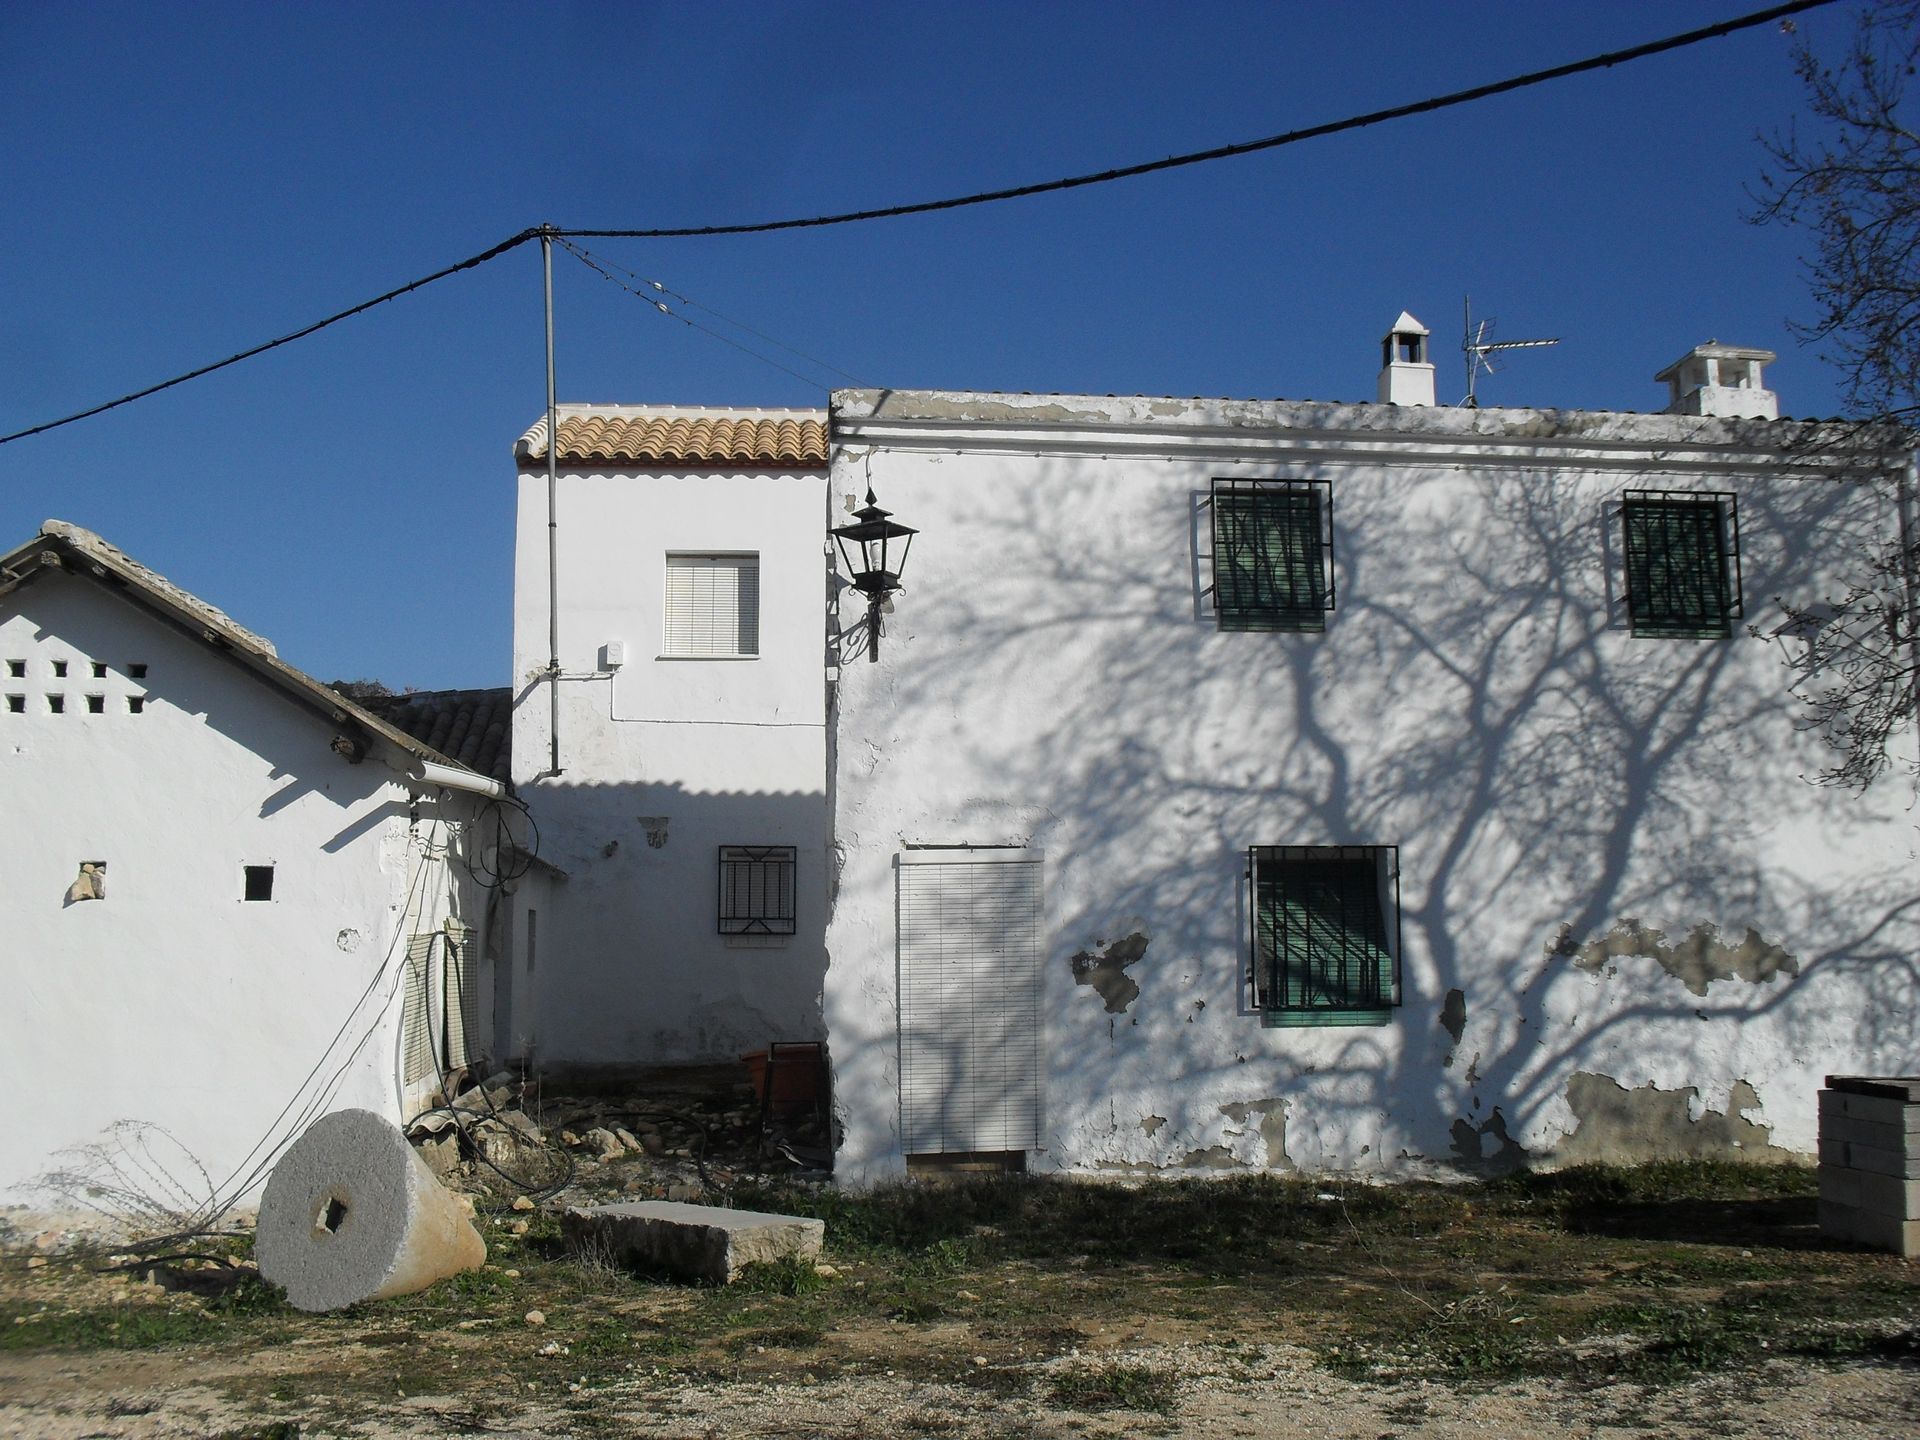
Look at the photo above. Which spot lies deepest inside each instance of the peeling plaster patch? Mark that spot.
(656, 828)
(1487, 1146)
(1105, 969)
(1697, 961)
(1453, 1020)
(1621, 1126)
(1273, 1127)
(1214, 1157)
(347, 940)
(1151, 1124)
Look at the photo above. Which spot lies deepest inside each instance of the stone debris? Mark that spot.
(681, 1134)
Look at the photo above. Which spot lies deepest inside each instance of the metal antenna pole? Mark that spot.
(553, 520)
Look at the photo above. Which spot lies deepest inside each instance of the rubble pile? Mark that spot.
(671, 1136)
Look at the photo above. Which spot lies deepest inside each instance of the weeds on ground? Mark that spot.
(1645, 1275)
(1113, 1387)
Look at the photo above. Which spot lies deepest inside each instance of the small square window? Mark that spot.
(259, 882)
(1682, 550)
(137, 670)
(17, 704)
(713, 606)
(99, 669)
(1272, 554)
(1326, 933)
(59, 669)
(17, 669)
(136, 703)
(96, 704)
(756, 889)
(57, 704)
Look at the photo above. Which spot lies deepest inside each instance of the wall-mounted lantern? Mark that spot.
(876, 574)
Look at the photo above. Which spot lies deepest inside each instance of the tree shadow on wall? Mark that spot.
(1475, 700)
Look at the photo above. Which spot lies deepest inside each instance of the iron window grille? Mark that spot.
(1325, 932)
(1683, 563)
(756, 889)
(1272, 554)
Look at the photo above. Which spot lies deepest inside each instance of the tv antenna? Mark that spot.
(1479, 345)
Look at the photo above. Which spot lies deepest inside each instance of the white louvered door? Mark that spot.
(971, 947)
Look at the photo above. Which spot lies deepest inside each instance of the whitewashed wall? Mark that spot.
(665, 760)
(1050, 678)
(173, 1001)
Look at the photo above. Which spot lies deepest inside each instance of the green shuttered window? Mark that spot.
(1682, 552)
(1272, 554)
(1326, 933)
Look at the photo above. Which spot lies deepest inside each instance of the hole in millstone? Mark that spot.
(331, 1215)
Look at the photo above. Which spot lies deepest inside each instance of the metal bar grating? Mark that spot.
(1272, 554)
(1682, 562)
(1320, 938)
(757, 890)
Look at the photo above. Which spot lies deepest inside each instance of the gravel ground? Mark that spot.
(1271, 1391)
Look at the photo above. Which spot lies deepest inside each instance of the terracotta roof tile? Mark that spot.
(474, 727)
(764, 440)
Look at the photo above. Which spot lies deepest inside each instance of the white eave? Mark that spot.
(1277, 431)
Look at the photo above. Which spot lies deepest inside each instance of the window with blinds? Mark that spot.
(971, 937)
(713, 606)
(416, 1019)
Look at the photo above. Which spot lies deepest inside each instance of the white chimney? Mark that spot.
(1406, 375)
(1722, 380)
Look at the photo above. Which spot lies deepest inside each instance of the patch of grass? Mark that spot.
(1659, 1181)
(790, 1275)
(798, 1336)
(117, 1327)
(1114, 1386)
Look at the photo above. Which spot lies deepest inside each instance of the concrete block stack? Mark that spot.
(1870, 1161)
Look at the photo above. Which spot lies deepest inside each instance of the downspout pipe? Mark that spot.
(448, 777)
(553, 521)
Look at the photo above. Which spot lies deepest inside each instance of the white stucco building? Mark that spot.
(232, 900)
(676, 757)
(1351, 786)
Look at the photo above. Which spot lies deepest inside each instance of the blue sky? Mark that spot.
(189, 180)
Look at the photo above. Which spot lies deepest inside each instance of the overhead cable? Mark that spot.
(1244, 147)
(469, 263)
(984, 197)
(605, 270)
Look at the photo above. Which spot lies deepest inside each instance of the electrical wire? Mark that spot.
(984, 197)
(604, 266)
(607, 274)
(469, 263)
(1244, 147)
(243, 1179)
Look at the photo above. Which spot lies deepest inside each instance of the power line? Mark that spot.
(605, 270)
(287, 339)
(984, 197)
(1245, 147)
